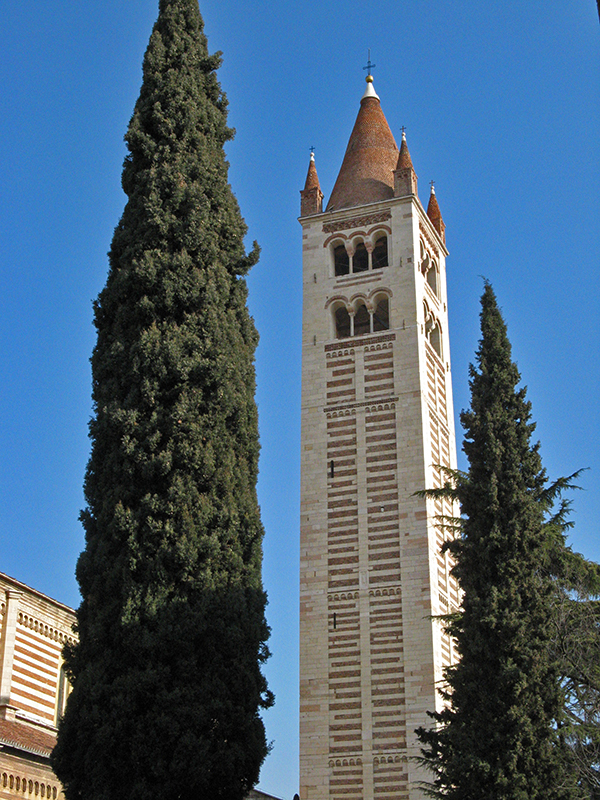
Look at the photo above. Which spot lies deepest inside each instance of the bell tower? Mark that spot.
(376, 422)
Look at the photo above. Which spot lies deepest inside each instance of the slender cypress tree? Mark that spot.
(167, 682)
(497, 738)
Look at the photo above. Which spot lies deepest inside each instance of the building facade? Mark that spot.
(33, 688)
(377, 423)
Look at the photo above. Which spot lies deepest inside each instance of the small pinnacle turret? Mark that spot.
(435, 215)
(405, 177)
(404, 159)
(311, 197)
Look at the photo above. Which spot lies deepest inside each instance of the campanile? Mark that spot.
(376, 422)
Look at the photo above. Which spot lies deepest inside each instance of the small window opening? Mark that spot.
(331, 469)
(360, 259)
(342, 323)
(381, 316)
(63, 693)
(334, 620)
(341, 260)
(362, 321)
(380, 253)
(432, 277)
(435, 339)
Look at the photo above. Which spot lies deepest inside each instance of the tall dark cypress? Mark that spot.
(167, 682)
(498, 737)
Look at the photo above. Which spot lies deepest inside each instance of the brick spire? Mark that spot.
(311, 197)
(367, 171)
(435, 215)
(405, 177)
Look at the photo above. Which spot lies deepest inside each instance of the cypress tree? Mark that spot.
(498, 735)
(167, 682)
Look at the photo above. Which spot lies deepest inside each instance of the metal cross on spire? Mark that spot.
(369, 66)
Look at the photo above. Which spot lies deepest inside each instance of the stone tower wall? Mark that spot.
(376, 415)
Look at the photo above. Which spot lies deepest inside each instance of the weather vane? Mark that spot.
(369, 66)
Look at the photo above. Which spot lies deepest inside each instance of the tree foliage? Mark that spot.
(167, 682)
(501, 734)
(576, 620)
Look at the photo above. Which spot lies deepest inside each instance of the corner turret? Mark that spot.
(311, 197)
(435, 215)
(405, 177)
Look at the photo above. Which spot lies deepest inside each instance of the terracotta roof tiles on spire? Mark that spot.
(435, 215)
(404, 159)
(405, 177)
(367, 171)
(311, 197)
(312, 179)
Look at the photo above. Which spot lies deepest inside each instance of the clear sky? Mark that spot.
(501, 105)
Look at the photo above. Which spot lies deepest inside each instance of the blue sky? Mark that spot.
(501, 105)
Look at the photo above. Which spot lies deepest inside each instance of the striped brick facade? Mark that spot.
(376, 420)
(33, 630)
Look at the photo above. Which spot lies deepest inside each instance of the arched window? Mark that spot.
(435, 338)
(380, 253)
(381, 315)
(362, 321)
(433, 332)
(360, 259)
(341, 261)
(342, 322)
(432, 278)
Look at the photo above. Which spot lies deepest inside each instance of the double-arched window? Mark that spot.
(360, 255)
(361, 317)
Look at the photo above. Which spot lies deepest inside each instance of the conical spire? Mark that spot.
(367, 171)
(404, 159)
(405, 177)
(311, 197)
(435, 215)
